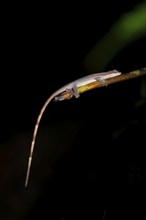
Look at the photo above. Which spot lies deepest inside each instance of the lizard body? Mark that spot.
(72, 89)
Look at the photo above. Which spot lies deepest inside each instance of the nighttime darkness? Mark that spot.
(89, 151)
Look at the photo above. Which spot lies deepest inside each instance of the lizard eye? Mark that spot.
(115, 71)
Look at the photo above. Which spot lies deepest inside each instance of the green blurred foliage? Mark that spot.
(130, 27)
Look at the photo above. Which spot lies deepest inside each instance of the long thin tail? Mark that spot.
(35, 134)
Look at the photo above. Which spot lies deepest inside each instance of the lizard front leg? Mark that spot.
(99, 79)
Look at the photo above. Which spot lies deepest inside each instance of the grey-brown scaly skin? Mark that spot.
(72, 89)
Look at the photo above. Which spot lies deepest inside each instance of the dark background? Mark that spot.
(102, 134)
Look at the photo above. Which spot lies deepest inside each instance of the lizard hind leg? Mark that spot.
(73, 92)
(70, 92)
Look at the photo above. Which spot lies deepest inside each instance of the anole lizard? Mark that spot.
(72, 89)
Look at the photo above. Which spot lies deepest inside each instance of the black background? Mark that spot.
(42, 48)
